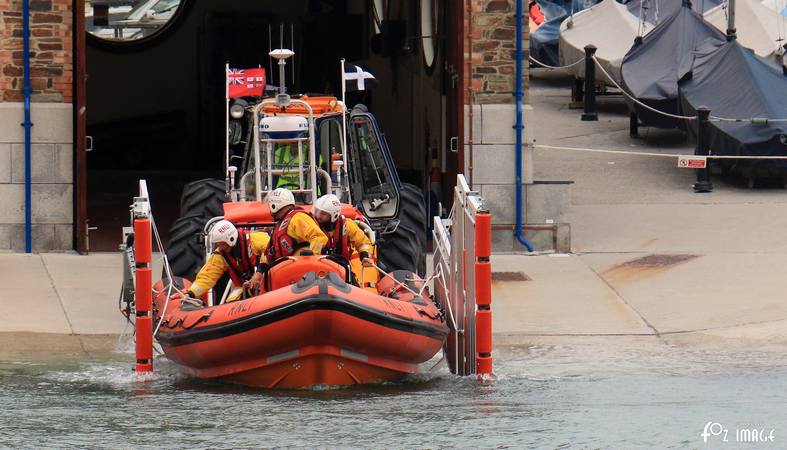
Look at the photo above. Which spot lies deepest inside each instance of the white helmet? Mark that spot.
(330, 204)
(224, 231)
(279, 198)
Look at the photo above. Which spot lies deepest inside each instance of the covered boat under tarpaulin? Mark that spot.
(610, 27)
(757, 26)
(652, 69)
(656, 11)
(779, 6)
(543, 41)
(737, 84)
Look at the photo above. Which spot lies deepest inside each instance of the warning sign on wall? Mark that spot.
(692, 162)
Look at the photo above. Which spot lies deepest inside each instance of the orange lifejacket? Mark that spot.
(282, 244)
(240, 260)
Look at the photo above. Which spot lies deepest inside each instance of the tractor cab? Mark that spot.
(282, 155)
(311, 145)
(282, 147)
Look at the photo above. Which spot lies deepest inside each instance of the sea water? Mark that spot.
(558, 396)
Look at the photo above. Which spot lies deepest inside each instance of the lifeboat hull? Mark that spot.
(318, 331)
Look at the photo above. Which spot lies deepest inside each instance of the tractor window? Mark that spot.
(292, 160)
(379, 193)
(330, 150)
(330, 139)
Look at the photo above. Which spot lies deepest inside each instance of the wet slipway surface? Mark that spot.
(548, 396)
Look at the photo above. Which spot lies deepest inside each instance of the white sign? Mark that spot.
(692, 162)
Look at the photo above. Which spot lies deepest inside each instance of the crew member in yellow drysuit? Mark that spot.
(242, 254)
(295, 229)
(343, 234)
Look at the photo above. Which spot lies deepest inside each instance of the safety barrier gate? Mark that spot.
(463, 281)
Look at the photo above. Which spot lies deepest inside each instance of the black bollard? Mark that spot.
(590, 85)
(703, 183)
(633, 125)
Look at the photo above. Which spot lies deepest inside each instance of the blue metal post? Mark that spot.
(26, 91)
(519, 95)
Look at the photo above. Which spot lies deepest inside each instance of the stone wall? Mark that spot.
(491, 154)
(52, 153)
(50, 50)
(493, 52)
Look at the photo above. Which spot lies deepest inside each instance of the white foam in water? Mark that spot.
(126, 344)
(118, 374)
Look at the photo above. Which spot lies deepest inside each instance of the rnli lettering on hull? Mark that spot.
(393, 304)
(240, 307)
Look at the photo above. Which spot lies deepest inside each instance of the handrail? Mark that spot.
(312, 150)
(462, 247)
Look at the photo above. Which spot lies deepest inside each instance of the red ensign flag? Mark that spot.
(245, 83)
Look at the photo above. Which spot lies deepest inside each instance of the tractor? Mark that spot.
(312, 145)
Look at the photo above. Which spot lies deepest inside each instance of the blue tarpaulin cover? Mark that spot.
(735, 83)
(658, 10)
(651, 70)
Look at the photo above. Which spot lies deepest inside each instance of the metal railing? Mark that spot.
(463, 281)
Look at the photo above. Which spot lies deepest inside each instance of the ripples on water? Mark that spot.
(548, 396)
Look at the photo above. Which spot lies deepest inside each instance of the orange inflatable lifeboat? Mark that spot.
(310, 327)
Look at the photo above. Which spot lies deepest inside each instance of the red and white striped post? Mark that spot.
(483, 295)
(143, 290)
(143, 253)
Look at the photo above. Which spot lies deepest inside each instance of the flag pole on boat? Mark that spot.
(344, 120)
(226, 118)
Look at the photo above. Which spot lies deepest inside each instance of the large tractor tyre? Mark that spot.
(205, 197)
(412, 211)
(185, 250)
(399, 250)
(413, 215)
(405, 248)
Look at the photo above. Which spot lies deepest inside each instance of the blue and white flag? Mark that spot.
(357, 79)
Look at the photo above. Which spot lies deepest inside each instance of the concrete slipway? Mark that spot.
(653, 262)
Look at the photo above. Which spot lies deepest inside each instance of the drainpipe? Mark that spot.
(519, 94)
(470, 92)
(27, 124)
